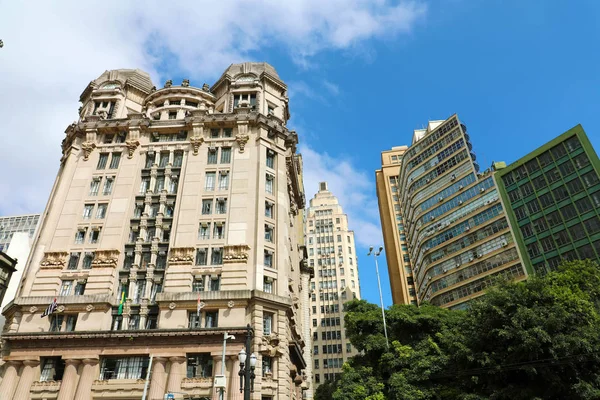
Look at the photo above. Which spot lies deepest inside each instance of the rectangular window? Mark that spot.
(221, 205)
(102, 161)
(108, 185)
(115, 160)
(95, 186)
(590, 179)
(533, 206)
(52, 369)
(80, 288)
(552, 175)
(547, 244)
(210, 181)
(144, 185)
(526, 189)
(568, 212)
(204, 231)
(193, 320)
(73, 261)
(268, 284)
(562, 238)
(223, 180)
(577, 231)
(56, 323)
(94, 236)
(267, 323)
(101, 212)
(207, 206)
(270, 158)
(267, 365)
(87, 260)
(211, 319)
(592, 225)
(215, 283)
(65, 288)
(526, 230)
(124, 368)
(268, 257)
(199, 365)
(269, 183)
(172, 114)
(269, 209)
(216, 256)
(225, 155)
(198, 284)
(583, 205)
(80, 235)
(219, 231)
(178, 159)
(575, 186)
(212, 155)
(214, 133)
(269, 233)
(88, 209)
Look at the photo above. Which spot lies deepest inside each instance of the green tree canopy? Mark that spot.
(538, 339)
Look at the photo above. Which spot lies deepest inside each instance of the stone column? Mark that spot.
(176, 374)
(88, 375)
(24, 386)
(10, 380)
(69, 381)
(158, 379)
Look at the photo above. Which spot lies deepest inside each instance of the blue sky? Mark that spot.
(361, 74)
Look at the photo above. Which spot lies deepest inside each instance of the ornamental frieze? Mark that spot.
(181, 256)
(237, 253)
(54, 260)
(106, 258)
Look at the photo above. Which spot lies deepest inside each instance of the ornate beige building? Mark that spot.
(174, 218)
(332, 254)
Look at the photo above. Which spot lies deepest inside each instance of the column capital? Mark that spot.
(71, 361)
(177, 359)
(160, 359)
(13, 363)
(31, 363)
(90, 361)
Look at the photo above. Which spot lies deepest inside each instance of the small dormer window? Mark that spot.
(249, 98)
(110, 85)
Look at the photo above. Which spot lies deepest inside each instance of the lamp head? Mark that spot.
(370, 250)
(253, 360)
(242, 356)
(380, 249)
(229, 337)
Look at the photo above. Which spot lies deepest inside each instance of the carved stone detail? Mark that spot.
(106, 258)
(54, 259)
(196, 141)
(172, 305)
(230, 303)
(60, 308)
(89, 308)
(181, 256)
(242, 139)
(131, 144)
(271, 346)
(87, 148)
(33, 309)
(237, 253)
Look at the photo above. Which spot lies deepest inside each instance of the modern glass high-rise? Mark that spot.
(552, 198)
(458, 237)
(332, 253)
(14, 224)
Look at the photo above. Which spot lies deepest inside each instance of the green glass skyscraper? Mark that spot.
(552, 199)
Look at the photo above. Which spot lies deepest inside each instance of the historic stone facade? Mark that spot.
(173, 219)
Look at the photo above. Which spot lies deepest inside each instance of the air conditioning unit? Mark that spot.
(221, 199)
(460, 187)
(467, 228)
(440, 198)
(504, 244)
(155, 135)
(471, 259)
(444, 270)
(224, 172)
(214, 277)
(432, 217)
(212, 148)
(460, 202)
(429, 278)
(482, 190)
(268, 279)
(427, 180)
(174, 176)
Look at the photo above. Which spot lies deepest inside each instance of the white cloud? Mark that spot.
(52, 50)
(331, 87)
(354, 188)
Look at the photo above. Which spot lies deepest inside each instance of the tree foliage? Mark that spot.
(538, 339)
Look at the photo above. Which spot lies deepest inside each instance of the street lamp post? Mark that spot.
(247, 369)
(375, 255)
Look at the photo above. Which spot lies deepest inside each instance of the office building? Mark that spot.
(16, 237)
(7, 268)
(332, 254)
(552, 198)
(174, 218)
(392, 224)
(458, 236)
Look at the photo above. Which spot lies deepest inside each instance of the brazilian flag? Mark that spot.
(122, 303)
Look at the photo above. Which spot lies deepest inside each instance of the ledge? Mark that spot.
(46, 300)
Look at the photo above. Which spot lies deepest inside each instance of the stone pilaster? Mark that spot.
(158, 378)
(27, 376)
(69, 381)
(176, 374)
(10, 379)
(88, 374)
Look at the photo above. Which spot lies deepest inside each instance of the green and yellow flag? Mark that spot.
(121, 303)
